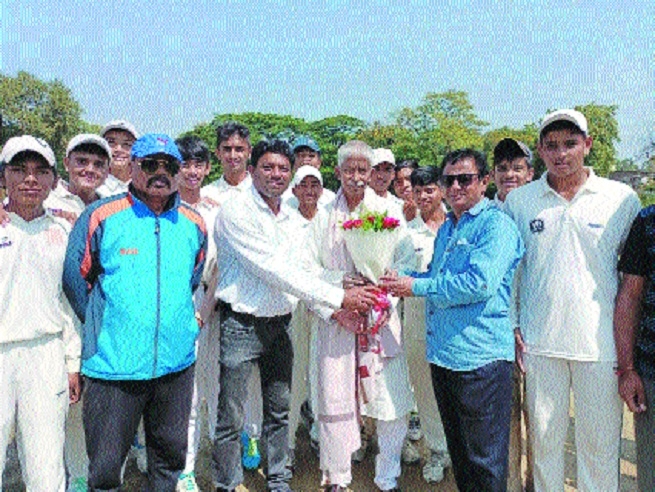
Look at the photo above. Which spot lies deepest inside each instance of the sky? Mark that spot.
(169, 65)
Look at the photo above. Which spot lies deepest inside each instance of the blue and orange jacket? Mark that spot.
(129, 275)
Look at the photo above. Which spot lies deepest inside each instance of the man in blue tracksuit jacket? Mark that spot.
(132, 264)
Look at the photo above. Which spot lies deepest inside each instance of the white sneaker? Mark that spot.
(433, 471)
(410, 454)
(414, 432)
(187, 483)
(139, 452)
(360, 454)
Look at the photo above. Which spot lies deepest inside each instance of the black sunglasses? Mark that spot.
(447, 180)
(152, 165)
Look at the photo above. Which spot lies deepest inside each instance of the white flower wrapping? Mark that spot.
(371, 251)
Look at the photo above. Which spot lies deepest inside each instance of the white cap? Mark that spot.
(120, 125)
(570, 115)
(88, 138)
(303, 172)
(16, 145)
(383, 155)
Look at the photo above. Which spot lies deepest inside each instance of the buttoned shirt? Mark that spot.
(220, 190)
(62, 199)
(568, 279)
(324, 201)
(258, 260)
(468, 289)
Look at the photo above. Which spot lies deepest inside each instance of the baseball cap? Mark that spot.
(120, 125)
(305, 171)
(304, 141)
(383, 155)
(88, 138)
(16, 145)
(570, 115)
(511, 147)
(155, 143)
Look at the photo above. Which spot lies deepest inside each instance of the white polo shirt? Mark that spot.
(568, 278)
(220, 190)
(32, 302)
(259, 260)
(112, 186)
(62, 199)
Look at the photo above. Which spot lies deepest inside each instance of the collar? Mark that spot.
(591, 185)
(259, 201)
(243, 185)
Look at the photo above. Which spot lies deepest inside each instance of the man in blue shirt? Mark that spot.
(470, 343)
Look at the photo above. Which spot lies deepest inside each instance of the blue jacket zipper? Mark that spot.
(158, 236)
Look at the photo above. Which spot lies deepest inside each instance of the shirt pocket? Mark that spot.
(458, 257)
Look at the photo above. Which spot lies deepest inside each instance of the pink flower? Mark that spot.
(370, 218)
(390, 223)
(348, 224)
(357, 223)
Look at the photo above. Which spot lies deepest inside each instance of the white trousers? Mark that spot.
(77, 461)
(549, 382)
(391, 435)
(34, 389)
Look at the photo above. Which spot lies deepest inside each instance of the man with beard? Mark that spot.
(132, 264)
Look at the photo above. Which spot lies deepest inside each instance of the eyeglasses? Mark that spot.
(464, 180)
(151, 166)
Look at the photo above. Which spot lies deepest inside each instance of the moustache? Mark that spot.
(358, 184)
(159, 179)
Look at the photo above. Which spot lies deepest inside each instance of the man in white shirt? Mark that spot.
(306, 152)
(402, 187)
(512, 167)
(233, 152)
(120, 135)
(257, 276)
(382, 175)
(574, 224)
(37, 351)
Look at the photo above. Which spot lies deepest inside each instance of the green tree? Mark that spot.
(43, 109)
(604, 129)
(529, 135)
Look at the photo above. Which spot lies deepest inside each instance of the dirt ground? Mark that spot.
(307, 476)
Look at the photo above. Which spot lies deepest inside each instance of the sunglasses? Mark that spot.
(447, 180)
(152, 165)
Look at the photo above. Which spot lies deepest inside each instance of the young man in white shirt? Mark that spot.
(382, 175)
(39, 353)
(512, 167)
(120, 135)
(574, 224)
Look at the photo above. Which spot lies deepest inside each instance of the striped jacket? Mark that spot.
(129, 275)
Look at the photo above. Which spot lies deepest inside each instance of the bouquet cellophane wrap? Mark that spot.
(371, 251)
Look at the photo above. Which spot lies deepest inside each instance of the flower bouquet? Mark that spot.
(371, 240)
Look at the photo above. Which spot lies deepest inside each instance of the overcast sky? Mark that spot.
(167, 65)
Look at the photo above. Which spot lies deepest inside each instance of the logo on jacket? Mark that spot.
(5, 242)
(129, 251)
(536, 226)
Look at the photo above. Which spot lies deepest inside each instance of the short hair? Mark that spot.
(561, 125)
(424, 176)
(90, 148)
(226, 130)
(23, 157)
(354, 148)
(407, 163)
(276, 146)
(193, 148)
(461, 154)
(509, 153)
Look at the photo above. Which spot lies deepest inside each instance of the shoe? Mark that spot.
(409, 454)
(78, 485)
(433, 471)
(395, 489)
(414, 432)
(251, 457)
(187, 483)
(359, 455)
(139, 452)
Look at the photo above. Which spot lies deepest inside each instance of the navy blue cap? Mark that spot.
(304, 141)
(155, 143)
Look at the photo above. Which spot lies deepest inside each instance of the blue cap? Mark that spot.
(304, 141)
(155, 143)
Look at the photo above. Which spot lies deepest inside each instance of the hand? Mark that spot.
(351, 280)
(631, 389)
(351, 321)
(69, 216)
(519, 349)
(409, 209)
(4, 216)
(398, 286)
(360, 299)
(208, 201)
(74, 387)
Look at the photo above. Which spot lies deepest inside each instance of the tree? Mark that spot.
(43, 109)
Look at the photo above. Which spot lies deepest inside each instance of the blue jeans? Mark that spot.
(475, 408)
(245, 341)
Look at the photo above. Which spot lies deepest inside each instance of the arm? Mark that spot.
(80, 255)
(72, 350)
(201, 255)
(496, 252)
(626, 322)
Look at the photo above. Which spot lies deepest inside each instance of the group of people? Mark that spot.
(133, 294)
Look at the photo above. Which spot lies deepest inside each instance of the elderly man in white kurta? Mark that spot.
(340, 404)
